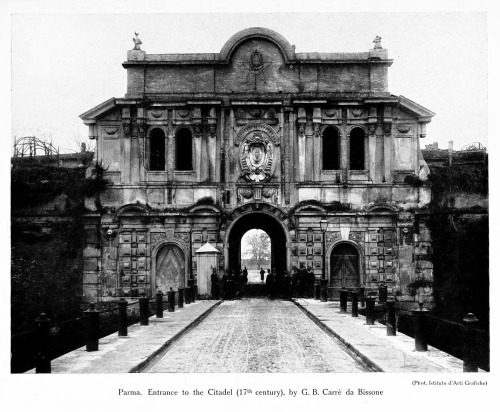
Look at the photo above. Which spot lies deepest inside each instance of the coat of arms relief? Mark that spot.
(258, 146)
(257, 157)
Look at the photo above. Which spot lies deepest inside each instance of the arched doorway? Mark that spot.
(265, 222)
(170, 268)
(344, 266)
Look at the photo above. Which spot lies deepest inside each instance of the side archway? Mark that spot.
(344, 265)
(169, 267)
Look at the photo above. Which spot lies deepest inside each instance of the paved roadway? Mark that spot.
(256, 335)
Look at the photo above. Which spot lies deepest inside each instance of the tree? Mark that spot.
(258, 246)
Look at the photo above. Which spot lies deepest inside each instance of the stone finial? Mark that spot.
(378, 43)
(137, 42)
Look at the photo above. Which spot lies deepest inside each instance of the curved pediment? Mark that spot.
(257, 33)
(382, 207)
(204, 209)
(134, 208)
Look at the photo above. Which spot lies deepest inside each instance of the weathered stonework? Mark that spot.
(206, 146)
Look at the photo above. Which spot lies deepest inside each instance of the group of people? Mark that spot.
(298, 283)
(233, 284)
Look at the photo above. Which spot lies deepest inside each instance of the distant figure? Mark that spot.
(262, 273)
(301, 282)
(243, 282)
(215, 284)
(279, 280)
(270, 284)
(295, 278)
(310, 279)
(287, 286)
(232, 285)
(225, 286)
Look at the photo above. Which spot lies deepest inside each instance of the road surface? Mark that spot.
(256, 335)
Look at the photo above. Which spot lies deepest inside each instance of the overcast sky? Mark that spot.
(63, 65)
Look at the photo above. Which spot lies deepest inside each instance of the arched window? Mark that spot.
(357, 149)
(157, 149)
(183, 150)
(331, 149)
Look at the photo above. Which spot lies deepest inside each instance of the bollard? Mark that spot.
(354, 309)
(470, 343)
(187, 295)
(419, 329)
(42, 359)
(92, 314)
(122, 317)
(391, 318)
(181, 297)
(382, 293)
(324, 290)
(159, 304)
(144, 310)
(370, 311)
(171, 300)
(343, 301)
(317, 291)
(362, 296)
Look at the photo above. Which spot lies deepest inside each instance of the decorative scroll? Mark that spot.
(332, 236)
(157, 237)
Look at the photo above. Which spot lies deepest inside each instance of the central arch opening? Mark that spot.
(255, 254)
(257, 223)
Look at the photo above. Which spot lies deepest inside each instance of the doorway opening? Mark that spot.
(344, 266)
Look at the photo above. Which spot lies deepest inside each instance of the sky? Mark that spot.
(66, 64)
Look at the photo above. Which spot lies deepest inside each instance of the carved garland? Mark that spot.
(261, 127)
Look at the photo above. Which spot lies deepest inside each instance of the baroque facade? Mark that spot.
(204, 147)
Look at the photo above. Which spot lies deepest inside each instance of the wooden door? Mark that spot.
(344, 267)
(170, 268)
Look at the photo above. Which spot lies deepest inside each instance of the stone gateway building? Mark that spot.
(309, 147)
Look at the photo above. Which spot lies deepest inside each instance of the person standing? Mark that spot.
(244, 281)
(295, 277)
(279, 278)
(262, 273)
(215, 284)
(287, 286)
(270, 284)
(231, 285)
(225, 286)
(310, 282)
